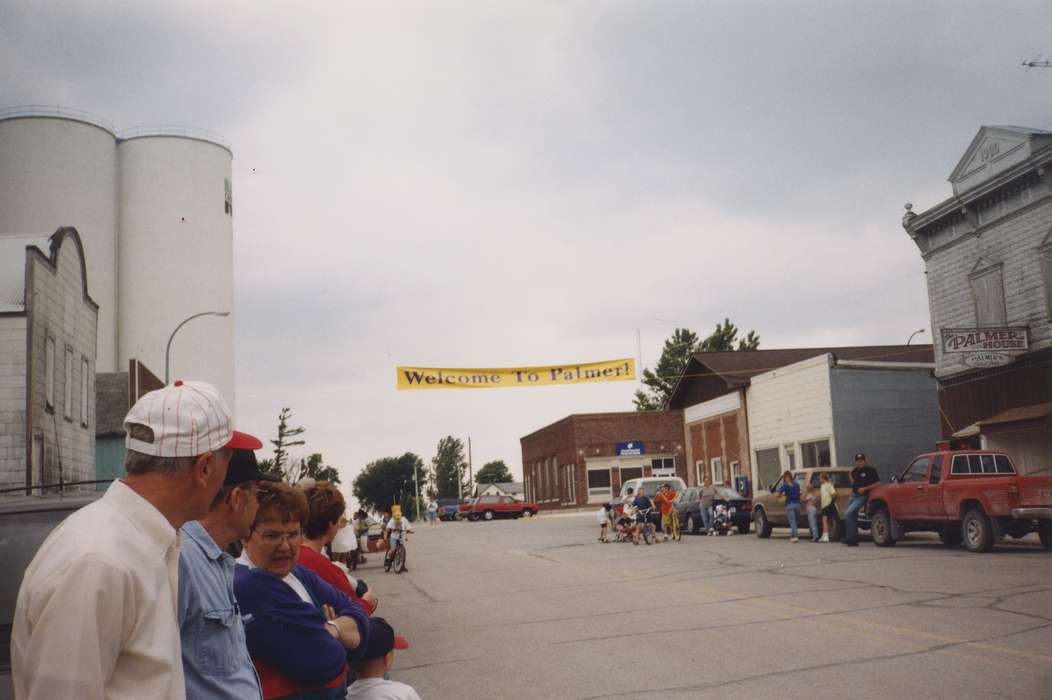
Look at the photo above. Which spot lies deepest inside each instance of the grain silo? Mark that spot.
(58, 167)
(153, 206)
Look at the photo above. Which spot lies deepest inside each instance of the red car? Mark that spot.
(970, 495)
(490, 507)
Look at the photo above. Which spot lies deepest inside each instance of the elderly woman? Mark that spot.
(299, 629)
(325, 519)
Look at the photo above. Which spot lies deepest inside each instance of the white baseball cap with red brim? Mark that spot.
(187, 419)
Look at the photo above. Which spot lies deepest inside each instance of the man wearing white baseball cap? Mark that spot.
(96, 614)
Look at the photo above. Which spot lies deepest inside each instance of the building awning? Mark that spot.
(1019, 414)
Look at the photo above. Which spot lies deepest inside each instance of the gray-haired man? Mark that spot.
(96, 613)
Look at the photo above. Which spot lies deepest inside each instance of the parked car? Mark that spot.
(768, 510)
(449, 508)
(490, 507)
(688, 506)
(25, 523)
(650, 485)
(970, 495)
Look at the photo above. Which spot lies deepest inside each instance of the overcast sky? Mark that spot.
(505, 184)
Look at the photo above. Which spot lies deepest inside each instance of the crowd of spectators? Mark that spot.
(139, 595)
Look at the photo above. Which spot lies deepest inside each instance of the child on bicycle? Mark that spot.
(643, 506)
(395, 532)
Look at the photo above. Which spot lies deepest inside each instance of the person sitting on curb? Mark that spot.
(374, 664)
(864, 479)
(300, 631)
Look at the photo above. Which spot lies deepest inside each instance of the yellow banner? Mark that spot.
(501, 377)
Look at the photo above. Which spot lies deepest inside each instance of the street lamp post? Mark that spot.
(919, 330)
(168, 348)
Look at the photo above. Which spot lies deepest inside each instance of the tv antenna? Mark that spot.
(1038, 62)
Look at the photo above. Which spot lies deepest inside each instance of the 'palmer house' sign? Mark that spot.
(985, 339)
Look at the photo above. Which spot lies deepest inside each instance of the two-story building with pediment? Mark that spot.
(987, 251)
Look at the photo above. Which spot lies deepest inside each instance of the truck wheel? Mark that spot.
(950, 536)
(488, 515)
(1044, 531)
(978, 535)
(880, 528)
(763, 525)
(527, 513)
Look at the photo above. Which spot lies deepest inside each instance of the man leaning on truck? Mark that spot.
(864, 478)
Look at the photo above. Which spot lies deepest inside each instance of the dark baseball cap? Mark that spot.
(244, 467)
(859, 456)
(382, 639)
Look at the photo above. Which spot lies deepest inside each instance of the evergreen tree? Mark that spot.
(449, 468)
(285, 440)
(676, 354)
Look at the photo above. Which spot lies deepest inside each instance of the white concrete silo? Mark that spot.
(175, 255)
(58, 167)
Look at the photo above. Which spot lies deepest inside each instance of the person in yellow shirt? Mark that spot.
(827, 499)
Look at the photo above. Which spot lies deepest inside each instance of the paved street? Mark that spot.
(538, 608)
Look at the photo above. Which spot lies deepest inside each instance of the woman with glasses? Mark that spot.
(300, 630)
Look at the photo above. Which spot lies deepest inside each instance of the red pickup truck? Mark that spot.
(490, 507)
(970, 495)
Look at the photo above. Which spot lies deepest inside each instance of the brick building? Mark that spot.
(714, 393)
(48, 327)
(584, 458)
(988, 262)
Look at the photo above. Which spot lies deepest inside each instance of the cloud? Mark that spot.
(507, 184)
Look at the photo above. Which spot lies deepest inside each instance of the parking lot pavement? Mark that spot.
(538, 608)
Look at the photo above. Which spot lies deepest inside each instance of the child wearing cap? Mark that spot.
(377, 659)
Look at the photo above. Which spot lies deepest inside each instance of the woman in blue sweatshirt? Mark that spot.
(300, 631)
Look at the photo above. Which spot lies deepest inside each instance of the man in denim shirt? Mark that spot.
(216, 663)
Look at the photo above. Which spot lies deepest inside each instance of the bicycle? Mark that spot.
(646, 528)
(396, 557)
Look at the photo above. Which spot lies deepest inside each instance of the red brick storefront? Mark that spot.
(575, 461)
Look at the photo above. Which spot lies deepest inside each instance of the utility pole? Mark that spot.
(416, 481)
(471, 476)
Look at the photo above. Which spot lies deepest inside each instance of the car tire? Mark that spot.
(690, 526)
(743, 528)
(880, 528)
(950, 536)
(1044, 531)
(527, 513)
(487, 515)
(763, 525)
(473, 517)
(977, 532)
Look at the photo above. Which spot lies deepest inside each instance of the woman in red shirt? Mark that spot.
(324, 520)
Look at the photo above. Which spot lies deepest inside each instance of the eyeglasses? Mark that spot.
(274, 537)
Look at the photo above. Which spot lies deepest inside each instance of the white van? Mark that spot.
(650, 485)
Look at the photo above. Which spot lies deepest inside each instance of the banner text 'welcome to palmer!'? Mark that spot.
(501, 377)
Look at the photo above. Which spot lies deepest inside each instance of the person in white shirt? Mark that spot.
(395, 529)
(376, 661)
(96, 615)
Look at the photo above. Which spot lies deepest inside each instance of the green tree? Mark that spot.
(385, 482)
(495, 472)
(724, 337)
(676, 354)
(449, 468)
(313, 467)
(660, 381)
(278, 465)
